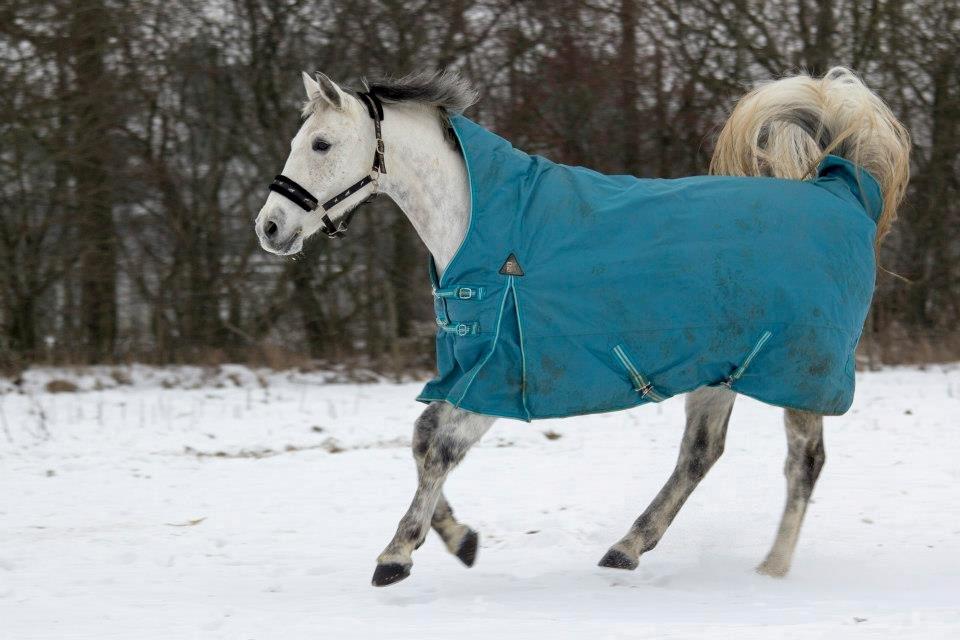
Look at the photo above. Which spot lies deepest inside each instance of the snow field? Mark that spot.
(254, 504)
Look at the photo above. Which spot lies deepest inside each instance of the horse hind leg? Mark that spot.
(441, 440)
(708, 413)
(805, 458)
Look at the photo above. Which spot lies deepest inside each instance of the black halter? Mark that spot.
(305, 200)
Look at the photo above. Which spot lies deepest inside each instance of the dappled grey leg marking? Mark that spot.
(708, 412)
(805, 458)
(459, 539)
(442, 437)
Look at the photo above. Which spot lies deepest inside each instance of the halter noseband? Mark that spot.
(292, 191)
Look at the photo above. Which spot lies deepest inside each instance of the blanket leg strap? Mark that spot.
(739, 371)
(643, 386)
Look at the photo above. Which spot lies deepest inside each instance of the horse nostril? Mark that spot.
(270, 229)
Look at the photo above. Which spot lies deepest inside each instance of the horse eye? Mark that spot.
(319, 144)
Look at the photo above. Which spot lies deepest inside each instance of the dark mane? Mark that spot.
(444, 89)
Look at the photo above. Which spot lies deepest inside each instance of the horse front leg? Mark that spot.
(442, 438)
(460, 540)
(708, 412)
(805, 458)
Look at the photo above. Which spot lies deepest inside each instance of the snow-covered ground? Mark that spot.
(182, 504)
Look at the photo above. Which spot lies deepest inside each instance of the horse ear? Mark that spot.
(310, 85)
(329, 91)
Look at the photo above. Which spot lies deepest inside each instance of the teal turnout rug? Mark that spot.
(575, 292)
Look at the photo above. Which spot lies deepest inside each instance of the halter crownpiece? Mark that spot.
(301, 197)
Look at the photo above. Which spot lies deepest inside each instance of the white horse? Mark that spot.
(394, 139)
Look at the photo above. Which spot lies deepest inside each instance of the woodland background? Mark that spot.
(137, 140)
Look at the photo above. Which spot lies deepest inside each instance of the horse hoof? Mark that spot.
(772, 568)
(615, 559)
(387, 574)
(468, 548)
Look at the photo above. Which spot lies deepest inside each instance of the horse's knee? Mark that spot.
(445, 451)
(424, 429)
(443, 437)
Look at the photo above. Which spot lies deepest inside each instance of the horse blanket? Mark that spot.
(575, 292)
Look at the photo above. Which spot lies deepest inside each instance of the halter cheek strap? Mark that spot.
(294, 192)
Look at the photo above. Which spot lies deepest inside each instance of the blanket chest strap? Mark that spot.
(456, 292)
(461, 329)
(461, 292)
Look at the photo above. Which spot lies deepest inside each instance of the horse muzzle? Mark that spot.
(276, 236)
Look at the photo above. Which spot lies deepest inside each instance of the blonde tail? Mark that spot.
(785, 128)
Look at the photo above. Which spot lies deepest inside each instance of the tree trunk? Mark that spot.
(629, 95)
(94, 215)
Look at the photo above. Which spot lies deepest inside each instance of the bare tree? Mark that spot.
(136, 140)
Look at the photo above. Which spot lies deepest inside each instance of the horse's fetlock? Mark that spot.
(412, 533)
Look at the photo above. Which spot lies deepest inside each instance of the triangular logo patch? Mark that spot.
(511, 267)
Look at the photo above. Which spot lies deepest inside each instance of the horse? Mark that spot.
(395, 137)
